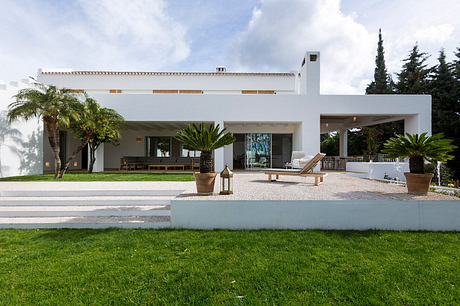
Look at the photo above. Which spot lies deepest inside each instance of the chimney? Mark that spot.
(310, 74)
(221, 69)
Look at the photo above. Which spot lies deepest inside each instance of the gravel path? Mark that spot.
(254, 186)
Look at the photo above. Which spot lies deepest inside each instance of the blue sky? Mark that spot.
(252, 35)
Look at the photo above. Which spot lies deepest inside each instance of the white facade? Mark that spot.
(160, 103)
(21, 142)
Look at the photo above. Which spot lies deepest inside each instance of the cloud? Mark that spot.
(90, 34)
(280, 32)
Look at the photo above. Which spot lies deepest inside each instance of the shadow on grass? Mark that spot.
(71, 234)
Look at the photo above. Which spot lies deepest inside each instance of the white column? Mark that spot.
(99, 163)
(310, 135)
(343, 143)
(219, 154)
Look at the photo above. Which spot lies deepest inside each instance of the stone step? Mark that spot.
(63, 220)
(94, 225)
(87, 193)
(83, 211)
(83, 201)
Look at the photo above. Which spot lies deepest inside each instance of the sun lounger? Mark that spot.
(306, 171)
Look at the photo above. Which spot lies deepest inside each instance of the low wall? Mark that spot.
(378, 170)
(311, 214)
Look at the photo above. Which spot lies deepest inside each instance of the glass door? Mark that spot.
(258, 150)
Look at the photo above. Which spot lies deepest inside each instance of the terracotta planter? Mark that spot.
(205, 182)
(418, 183)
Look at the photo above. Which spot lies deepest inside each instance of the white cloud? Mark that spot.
(280, 32)
(90, 34)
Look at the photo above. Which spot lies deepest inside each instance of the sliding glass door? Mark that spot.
(258, 150)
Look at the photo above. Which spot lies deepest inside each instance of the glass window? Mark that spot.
(159, 146)
(186, 151)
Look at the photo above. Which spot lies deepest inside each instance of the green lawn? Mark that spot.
(125, 267)
(106, 176)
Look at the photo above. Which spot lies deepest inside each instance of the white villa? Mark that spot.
(270, 114)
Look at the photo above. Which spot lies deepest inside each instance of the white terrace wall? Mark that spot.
(21, 143)
(326, 214)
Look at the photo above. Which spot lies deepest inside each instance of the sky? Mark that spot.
(243, 35)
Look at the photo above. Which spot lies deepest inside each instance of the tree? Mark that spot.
(419, 148)
(107, 131)
(382, 83)
(457, 65)
(445, 105)
(205, 140)
(330, 144)
(372, 142)
(56, 107)
(413, 78)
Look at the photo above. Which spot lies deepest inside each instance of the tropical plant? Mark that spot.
(107, 131)
(56, 107)
(205, 140)
(419, 148)
(94, 121)
(372, 141)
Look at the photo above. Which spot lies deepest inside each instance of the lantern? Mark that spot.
(226, 181)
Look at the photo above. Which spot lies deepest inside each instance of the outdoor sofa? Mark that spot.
(159, 163)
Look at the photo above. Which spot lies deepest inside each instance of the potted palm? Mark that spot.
(205, 140)
(419, 148)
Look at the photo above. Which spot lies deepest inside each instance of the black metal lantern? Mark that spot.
(226, 181)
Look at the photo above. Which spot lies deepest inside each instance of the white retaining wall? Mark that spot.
(339, 215)
(379, 169)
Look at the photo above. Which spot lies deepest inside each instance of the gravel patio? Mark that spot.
(254, 186)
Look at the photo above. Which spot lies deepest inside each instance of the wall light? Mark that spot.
(354, 118)
(75, 163)
(138, 139)
(47, 164)
(327, 124)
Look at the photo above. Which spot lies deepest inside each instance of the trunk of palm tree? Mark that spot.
(416, 165)
(52, 129)
(206, 162)
(79, 148)
(92, 156)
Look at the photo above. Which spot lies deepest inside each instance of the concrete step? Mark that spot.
(87, 193)
(84, 201)
(83, 211)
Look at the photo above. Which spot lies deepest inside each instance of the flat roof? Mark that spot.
(279, 74)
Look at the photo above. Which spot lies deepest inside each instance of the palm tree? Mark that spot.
(419, 148)
(56, 107)
(83, 128)
(108, 130)
(206, 141)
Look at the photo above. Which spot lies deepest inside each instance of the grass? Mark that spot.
(105, 176)
(127, 267)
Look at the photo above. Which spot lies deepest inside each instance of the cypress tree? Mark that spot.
(445, 105)
(382, 84)
(413, 78)
(457, 64)
(382, 81)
